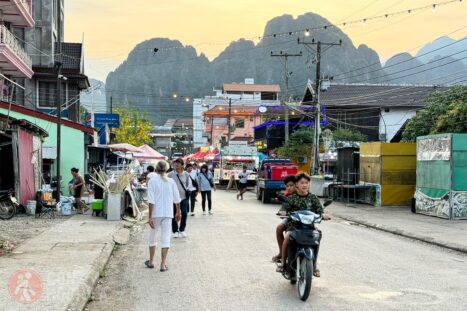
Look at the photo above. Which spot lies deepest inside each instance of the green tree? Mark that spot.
(134, 127)
(299, 144)
(454, 120)
(348, 135)
(444, 112)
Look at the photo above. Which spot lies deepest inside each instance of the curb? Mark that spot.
(410, 235)
(84, 292)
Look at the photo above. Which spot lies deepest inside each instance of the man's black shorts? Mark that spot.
(241, 185)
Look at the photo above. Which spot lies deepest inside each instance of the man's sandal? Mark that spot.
(148, 264)
(164, 268)
(316, 273)
(280, 269)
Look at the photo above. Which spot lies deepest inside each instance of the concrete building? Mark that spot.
(43, 43)
(246, 94)
(15, 63)
(162, 137)
(378, 111)
(242, 122)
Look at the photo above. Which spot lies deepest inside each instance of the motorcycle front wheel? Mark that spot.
(7, 210)
(305, 273)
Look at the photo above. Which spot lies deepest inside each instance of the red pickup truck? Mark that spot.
(270, 178)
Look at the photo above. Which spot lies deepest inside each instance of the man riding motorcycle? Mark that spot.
(301, 200)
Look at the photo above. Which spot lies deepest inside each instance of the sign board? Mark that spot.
(239, 151)
(238, 143)
(101, 119)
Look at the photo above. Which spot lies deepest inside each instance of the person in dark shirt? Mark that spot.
(289, 182)
(301, 200)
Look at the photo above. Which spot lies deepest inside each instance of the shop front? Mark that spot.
(21, 157)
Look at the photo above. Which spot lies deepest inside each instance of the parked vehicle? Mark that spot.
(270, 178)
(232, 166)
(302, 250)
(8, 205)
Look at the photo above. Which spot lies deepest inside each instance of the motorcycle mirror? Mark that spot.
(327, 203)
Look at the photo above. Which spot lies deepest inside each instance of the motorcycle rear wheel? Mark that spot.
(305, 268)
(7, 210)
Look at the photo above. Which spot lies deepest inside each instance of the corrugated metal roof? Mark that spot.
(374, 95)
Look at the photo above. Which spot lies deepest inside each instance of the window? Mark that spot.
(46, 94)
(240, 123)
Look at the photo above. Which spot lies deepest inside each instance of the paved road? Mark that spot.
(224, 264)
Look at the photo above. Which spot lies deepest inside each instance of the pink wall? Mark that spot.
(26, 168)
(221, 130)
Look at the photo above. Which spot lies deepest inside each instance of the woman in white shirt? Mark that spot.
(162, 195)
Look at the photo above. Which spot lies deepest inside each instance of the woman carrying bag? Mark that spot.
(206, 184)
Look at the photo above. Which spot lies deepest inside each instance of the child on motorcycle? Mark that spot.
(289, 182)
(301, 200)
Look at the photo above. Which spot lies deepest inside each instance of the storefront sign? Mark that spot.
(239, 151)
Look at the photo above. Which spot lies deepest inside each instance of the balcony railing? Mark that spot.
(25, 4)
(6, 37)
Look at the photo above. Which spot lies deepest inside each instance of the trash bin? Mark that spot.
(113, 206)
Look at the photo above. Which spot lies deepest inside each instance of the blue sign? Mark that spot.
(101, 119)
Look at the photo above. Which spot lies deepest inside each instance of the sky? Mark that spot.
(112, 28)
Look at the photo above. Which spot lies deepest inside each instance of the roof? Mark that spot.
(223, 110)
(373, 95)
(241, 87)
(25, 124)
(187, 122)
(46, 117)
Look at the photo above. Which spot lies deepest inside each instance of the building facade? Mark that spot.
(15, 63)
(377, 111)
(243, 119)
(240, 95)
(47, 49)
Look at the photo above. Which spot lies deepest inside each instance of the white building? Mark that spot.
(241, 94)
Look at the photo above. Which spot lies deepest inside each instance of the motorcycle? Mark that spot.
(303, 250)
(8, 205)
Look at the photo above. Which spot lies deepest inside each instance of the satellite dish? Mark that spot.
(262, 109)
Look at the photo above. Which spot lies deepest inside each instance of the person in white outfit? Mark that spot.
(163, 194)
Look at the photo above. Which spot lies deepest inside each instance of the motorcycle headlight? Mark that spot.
(307, 219)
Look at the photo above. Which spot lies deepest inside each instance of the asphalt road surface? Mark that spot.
(225, 264)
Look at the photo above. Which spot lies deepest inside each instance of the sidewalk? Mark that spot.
(65, 260)
(401, 221)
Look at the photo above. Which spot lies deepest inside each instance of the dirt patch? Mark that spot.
(21, 227)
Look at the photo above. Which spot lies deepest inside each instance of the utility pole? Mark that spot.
(111, 107)
(314, 169)
(286, 77)
(228, 122)
(58, 65)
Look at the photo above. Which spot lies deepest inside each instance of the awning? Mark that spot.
(124, 147)
(147, 153)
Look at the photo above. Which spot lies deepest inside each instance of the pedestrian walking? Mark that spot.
(194, 188)
(150, 173)
(183, 182)
(163, 195)
(242, 182)
(78, 191)
(206, 184)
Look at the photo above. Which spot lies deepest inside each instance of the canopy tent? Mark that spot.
(124, 147)
(147, 153)
(213, 155)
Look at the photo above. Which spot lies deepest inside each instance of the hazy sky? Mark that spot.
(113, 27)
